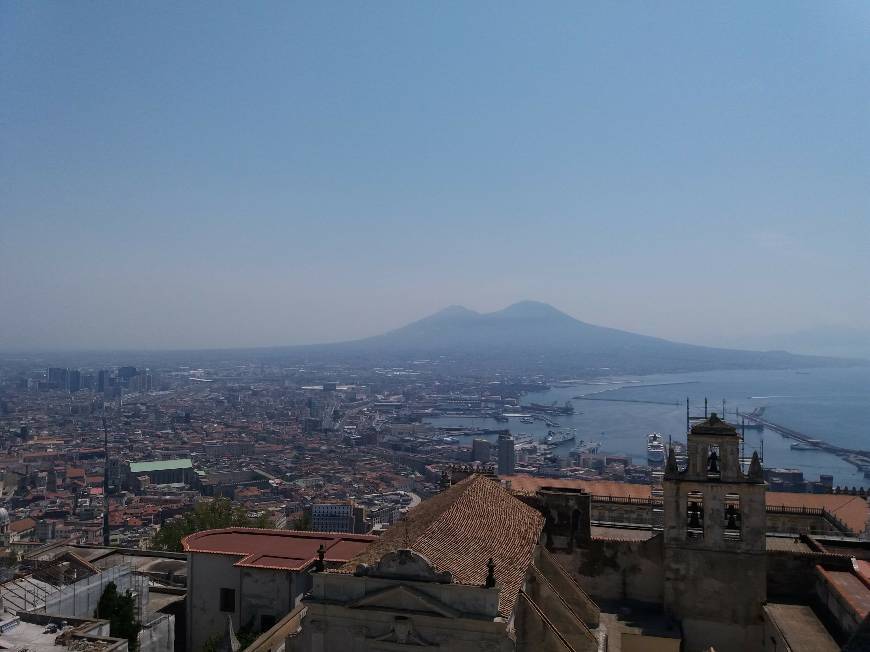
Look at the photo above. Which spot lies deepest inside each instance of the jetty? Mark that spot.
(855, 456)
(624, 400)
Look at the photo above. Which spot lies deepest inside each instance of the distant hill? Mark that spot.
(530, 337)
(837, 341)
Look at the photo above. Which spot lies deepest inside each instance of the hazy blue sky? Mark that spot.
(245, 173)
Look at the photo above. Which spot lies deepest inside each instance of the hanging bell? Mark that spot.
(731, 515)
(713, 467)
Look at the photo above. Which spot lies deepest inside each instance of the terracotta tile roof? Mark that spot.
(276, 549)
(23, 525)
(862, 568)
(850, 588)
(531, 484)
(460, 529)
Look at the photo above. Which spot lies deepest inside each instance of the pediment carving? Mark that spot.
(405, 564)
(404, 598)
(402, 635)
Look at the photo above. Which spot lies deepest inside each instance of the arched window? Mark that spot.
(695, 515)
(732, 525)
(713, 462)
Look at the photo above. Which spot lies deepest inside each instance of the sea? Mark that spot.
(832, 404)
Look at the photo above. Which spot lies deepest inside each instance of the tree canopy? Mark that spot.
(120, 611)
(209, 515)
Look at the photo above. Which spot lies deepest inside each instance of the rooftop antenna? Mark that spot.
(687, 414)
(762, 445)
(105, 484)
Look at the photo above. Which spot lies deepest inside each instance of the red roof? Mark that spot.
(850, 588)
(277, 549)
(22, 525)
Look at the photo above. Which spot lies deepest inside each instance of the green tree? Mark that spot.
(120, 611)
(303, 523)
(210, 515)
(108, 602)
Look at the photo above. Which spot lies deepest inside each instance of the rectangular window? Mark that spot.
(228, 600)
(732, 518)
(695, 515)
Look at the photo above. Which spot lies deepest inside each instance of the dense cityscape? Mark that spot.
(117, 471)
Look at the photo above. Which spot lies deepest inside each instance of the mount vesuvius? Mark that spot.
(534, 337)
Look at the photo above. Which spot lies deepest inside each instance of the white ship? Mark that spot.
(655, 449)
(559, 437)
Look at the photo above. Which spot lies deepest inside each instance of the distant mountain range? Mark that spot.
(530, 337)
(840, 341)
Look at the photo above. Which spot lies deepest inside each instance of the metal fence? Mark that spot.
(76, 600)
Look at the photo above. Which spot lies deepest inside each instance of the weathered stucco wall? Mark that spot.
(797, 523)
(335, 628)
(158, 635)
(617, 570)
(580, 602)
(559, 612)
(791, 576)
(208, 574)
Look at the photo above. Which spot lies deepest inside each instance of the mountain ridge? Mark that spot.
(532, 336)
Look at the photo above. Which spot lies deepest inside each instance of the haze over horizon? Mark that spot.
(225, 175)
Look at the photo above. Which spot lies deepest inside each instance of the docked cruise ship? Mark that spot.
(655, 449)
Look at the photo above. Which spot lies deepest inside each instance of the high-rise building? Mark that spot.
(481, 451)
(126, 373)
(103, 380)
(507, 459)
(141, 382)
(74, 380)
(58, 376)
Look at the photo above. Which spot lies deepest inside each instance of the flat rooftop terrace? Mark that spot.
(801, 629)
(277, 549)
(624, 620)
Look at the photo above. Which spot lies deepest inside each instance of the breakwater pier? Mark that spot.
(857, 457)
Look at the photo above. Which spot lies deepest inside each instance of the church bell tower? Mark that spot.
(715, 567)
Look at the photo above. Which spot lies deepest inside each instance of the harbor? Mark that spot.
(825, 405)
(858, 458)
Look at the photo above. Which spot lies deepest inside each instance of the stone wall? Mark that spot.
(534, 633)
(616, 570)
(559, 613)
(158, 635)
(795, 521)
(567, 587)
(633, 512)
(791, 576)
